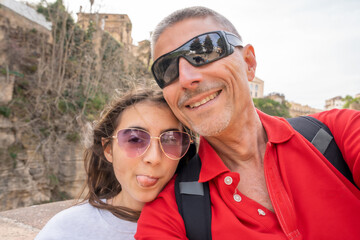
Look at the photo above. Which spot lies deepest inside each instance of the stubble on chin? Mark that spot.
(212, 124)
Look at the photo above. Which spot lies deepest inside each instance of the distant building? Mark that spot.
(16, 14)
(335, 102)
(257, 88)
(117, 25)
(26, 12)
(280, 98)
(17, 19)
(296, 109)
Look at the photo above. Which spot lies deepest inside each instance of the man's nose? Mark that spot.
(189, 75)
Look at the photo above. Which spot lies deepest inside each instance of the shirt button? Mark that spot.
(237, 197)
(228, 180)
(261, 212)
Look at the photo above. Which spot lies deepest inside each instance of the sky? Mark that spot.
(308, 50)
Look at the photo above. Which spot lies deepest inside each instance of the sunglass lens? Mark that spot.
(175, 144)
(133, 141)
(198, 51)
(205, 49)
(171, 71)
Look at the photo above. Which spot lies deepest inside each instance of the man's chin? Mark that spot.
(211, 129)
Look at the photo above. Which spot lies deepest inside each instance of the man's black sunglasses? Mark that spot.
(202, 49)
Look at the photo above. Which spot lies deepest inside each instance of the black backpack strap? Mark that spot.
(321, 137)
(193, 200)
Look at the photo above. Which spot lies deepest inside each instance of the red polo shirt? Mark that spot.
(312, 200)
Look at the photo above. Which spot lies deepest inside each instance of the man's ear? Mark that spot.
(250, 59)
(107, 149)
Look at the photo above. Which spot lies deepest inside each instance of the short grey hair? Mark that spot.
(190, 12)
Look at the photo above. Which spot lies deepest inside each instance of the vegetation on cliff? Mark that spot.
(62, 81)
(272, 107)
(352, 102)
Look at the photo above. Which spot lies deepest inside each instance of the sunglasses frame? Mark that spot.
(157, 138)
(230, 39)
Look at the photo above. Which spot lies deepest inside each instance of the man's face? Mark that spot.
(209, 98)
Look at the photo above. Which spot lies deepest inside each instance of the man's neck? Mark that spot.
(242, 144)
(242, 150)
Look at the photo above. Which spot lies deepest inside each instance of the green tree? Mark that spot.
(208, 45)
(196, 46)
(349, 100)
(272, 107)
(221, 45)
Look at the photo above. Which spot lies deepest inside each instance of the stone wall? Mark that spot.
(25, 223)
(9, 16)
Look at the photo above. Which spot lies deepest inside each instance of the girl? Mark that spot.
(136, 148)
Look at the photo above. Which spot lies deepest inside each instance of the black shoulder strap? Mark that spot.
(321, 137)
(193, 200)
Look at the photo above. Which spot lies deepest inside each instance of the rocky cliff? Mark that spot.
(52, 85)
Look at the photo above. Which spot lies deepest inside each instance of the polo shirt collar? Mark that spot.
(278, 131)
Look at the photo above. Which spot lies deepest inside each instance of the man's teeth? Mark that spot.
(205, 100)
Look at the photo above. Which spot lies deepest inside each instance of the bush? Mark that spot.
(5, 111)
(272, 107)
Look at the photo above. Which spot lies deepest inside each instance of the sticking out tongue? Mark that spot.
(146, 181)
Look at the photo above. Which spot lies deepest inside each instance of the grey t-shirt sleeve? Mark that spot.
(86, 222)
(60, 226)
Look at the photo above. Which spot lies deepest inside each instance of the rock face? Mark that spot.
(52, 84)
(6, 88)
(32, 171)
(27, 177)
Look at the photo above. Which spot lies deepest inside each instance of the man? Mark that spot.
(266, 181)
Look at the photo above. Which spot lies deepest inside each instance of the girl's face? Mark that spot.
(143, 177)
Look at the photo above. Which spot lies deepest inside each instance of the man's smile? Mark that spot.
(204, 100)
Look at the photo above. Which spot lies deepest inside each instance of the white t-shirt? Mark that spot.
(86, 222)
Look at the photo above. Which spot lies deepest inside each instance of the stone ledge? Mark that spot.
(25, 223)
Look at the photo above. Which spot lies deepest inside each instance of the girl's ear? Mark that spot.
(107, 149)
